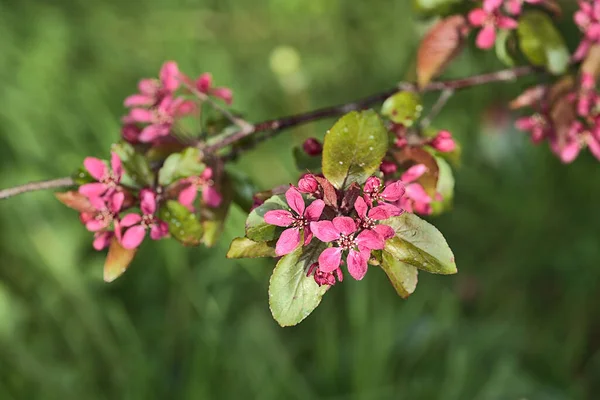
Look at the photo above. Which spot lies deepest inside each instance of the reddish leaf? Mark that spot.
(117, 260)
(409, 156)
(329, 193)
(350, 197)
(440, 45)
(75, 200)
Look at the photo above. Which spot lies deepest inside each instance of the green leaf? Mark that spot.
(183, 224)
(117, 260)
(420, 244)
(403, 108)
(181, 165)
(256, 227)
(504, 39)
(403, 276)
(82, 176)
(353, 148)
(542, 43)
(435, 7)
(137, 169)
(445, 186)
(293, 295)
(247, 248)
(304, 162)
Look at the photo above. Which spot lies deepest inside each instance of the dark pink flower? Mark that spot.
(325, 278)
(106, 211)
(443, 142)
(160, 119)
(576, 139)
(536, 124)
(489, 19)
(368, 217)
(132, 228)
(152, 91)
(204, 183)
(514, 7)
(342, 231)
(588, 20)
(415, 198)
(308, 184)
(388, 167)
(102, 239)
(375, 191)
(204, 84)
(312, 147)
(108, 178)
(299, 218)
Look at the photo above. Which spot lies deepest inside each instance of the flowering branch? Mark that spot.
(34, 186)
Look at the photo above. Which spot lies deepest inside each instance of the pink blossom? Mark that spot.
(108, 178)
(299, 218)
(388, 167)
(587, 97)
(312, 147)
(102, 239)
(308, 184)
(204, 84)
(160, 119)
(368, 217)
(152, 91)
(375, 191)
(575, 140)
(443, 142)
(342, 231)
(588, 20)
(514, 7)
(325, 278)
(204, 182)
(415, 198)
(105, 212)
(489, 19)
(132, 228)
(537, 124)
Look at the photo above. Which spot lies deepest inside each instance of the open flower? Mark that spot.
(343, 233)
(537, 125)
(204, 84)
(375, 191)
(489, 19)
(108, 178)
(105, 212)
(368, 218)
(203, 182)
(160, 119)
(298, 219)
(152, 91)
(588, 20)
(131, 230)
(576, 139)
(415, 198)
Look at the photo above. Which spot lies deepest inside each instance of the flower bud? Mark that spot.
(308, 184)
(443, 142)
(388, 167)
(312, 147)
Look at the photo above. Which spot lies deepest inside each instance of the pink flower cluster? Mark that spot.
(107, 200)
(352, 232)
(442, 142)
(582, 128)
(154, 111)
(494, 15)
(587, 19)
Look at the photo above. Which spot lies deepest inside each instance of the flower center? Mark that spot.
(367, 223)
(161, 117)
(110, 179)
(148, 220)
(346, 242)
(299, 222)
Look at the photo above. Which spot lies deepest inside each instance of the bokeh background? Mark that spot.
(520, 321)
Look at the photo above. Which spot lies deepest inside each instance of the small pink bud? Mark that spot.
(312, 147)
(443, 142)
(388, 167)
(308, 184)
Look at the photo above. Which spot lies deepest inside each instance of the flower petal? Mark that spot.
(369, 240)
(295, 200)
(211, 196)
(288, 241)
(345, 225)
(223, 93)
(92, 189)
(102, 240)
(357, 264)
(477, 17)
(116, 202)
(147, 201)
(94, 225)
(393, 191)
(130, 220)
(133, 237)
(159, 230)
(204, 82)
(324, 231)
(141, 115)
(169, 76)
(413, 173)
(417, 193)
(137, 100)
(386, 232)
(279, 218)
(384, 211)
(361, 207)
(314, 210)
(330, 259)
(486, 37)
(152, 132)
(96, 167)
(188, 195)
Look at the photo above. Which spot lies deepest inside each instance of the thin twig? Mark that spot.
(33, 186)
(437, 107)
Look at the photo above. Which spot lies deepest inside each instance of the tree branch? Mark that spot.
(275, 126)
(33, 186)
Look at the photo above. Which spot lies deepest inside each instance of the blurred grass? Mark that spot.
(520, 320)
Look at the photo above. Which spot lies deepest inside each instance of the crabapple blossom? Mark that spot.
(160, 119)
(108, 179)
(131, 229)
(204, 183)
(415, 198)
(204, 84)
(152, 91)
(325, 278)
(489, 19)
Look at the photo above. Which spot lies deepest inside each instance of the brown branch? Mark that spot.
(274, 126)
(279, 124)
(33, 186)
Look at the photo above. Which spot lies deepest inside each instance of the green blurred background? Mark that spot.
(520, 320)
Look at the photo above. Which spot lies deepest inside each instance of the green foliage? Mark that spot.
(180, 165)
(434, 7)
(137, 171)
(247, 248)
(353, 148)
(256, 227)
(304, 162)
(183, 224)
(420, 244)
(504, 39)
(444, 186)
(292, 294)
(403, 276)
(542, 43)
(403, 108)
